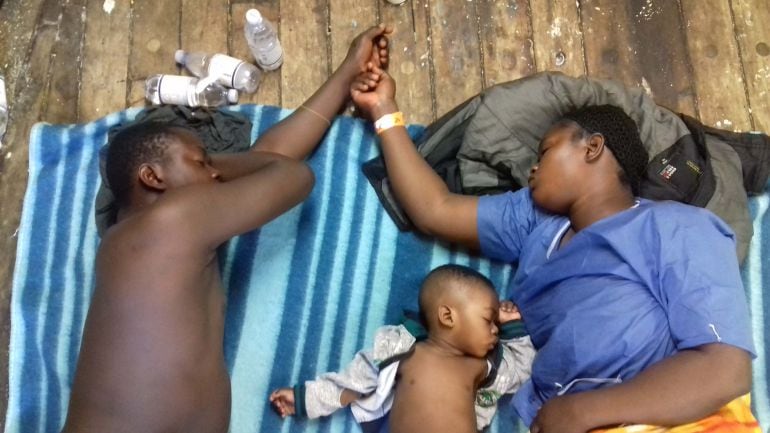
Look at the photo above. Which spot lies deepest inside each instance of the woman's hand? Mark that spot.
(374, 92)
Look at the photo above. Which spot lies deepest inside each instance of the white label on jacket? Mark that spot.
(173, 89)
(223, 67)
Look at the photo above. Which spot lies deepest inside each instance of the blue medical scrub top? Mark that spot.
(624, 293)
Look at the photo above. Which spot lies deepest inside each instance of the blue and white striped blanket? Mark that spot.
(304, 293)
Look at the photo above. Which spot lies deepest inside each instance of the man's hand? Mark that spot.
(560, 415)
(282, 400)
(508, 311)
(374, 92)
(371, 46)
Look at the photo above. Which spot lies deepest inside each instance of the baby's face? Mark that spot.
(476, 333)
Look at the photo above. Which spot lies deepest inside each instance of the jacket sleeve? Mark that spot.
(321, 397)
(514, 367)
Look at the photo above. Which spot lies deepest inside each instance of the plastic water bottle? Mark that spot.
(263, 41)
(3, 109)
(190, 91)
(229, 71)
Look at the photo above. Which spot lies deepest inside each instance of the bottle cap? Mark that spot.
(253, 16)
(232, 96)
(179, 56)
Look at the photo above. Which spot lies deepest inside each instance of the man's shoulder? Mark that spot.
(158, 221)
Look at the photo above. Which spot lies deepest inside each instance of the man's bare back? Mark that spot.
(152, 355)
(436, 391)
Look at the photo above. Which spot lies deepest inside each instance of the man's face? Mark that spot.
(553, 180)
(186, 162)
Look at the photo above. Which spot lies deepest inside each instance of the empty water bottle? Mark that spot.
(190, 91)
(228, 71)
(3, 109)
(263, 41)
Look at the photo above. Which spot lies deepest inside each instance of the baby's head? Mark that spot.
(460, 306)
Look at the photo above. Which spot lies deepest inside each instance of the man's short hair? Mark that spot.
(621, 136)
(441, 279)
(129, 149)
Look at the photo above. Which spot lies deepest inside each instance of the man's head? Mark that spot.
(595, 137)
(155, 157)
(460, 305)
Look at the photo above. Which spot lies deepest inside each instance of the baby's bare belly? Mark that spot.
(438, 406)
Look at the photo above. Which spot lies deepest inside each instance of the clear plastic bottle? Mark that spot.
(229, 71)
(263, 41)
(190, 91)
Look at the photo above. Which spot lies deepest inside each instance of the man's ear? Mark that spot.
(446, 316)
(594, 147)
(151, 176)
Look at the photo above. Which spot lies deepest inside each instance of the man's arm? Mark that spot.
(256, 188)
(425, 197)
(680, 389)
(297, 135)
(267, 180)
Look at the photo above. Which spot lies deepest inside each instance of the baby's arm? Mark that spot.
(330, 392)
(282, 400)
(510, 364)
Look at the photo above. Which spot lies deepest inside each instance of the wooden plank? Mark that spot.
(753, 33)
(155, 38)
(18, 20)
(557, 37)
(410, 63)
(305, 48)
(204, 25)
(348, 18)
(506, 35)
(639, 43)
(608, 41)
(269, 91)
(661, 53)
(456, 52)
(719, 85)
(105, 63)
(33, 77)
(64, 86)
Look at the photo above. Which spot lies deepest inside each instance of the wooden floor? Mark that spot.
(71, 61)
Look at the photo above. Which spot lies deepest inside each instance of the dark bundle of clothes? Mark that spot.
(488, 144)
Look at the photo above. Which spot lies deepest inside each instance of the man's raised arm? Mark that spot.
(299, 134)
(255, 188)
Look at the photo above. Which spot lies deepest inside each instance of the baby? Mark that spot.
(446, 377)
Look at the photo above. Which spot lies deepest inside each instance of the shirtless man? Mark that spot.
(151, 358)
(440, 375)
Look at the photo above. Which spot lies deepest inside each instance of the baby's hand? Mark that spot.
(508, 312)
(282, 400)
